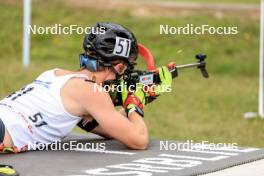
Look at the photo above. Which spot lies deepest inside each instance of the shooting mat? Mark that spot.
(116, 159)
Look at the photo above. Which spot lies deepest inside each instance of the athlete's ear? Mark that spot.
(120, 68)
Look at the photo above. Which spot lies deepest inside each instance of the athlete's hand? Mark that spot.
(165, 81)
(133, 101)
(150, 94)
(164, 85)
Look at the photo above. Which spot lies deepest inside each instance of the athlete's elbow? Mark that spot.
(140, 142)
(143, 144)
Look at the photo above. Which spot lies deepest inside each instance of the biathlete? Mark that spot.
(46, 110)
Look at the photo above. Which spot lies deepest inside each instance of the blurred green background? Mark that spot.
(220, 1)
(197, 109)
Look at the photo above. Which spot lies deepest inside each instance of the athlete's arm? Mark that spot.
(100, 131)
(131, 131)
(93, 127)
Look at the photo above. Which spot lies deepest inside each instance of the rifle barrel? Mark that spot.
(187, 65)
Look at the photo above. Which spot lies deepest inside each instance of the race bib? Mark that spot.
(122, 47)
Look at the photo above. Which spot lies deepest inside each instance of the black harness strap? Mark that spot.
(89, 126)
(91, 81)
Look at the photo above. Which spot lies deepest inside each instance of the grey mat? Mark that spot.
(116, 159)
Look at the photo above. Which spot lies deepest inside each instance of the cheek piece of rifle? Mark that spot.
(152, 77)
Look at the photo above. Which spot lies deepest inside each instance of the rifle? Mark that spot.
(133, 77)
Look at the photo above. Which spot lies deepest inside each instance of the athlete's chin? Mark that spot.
(111, 77)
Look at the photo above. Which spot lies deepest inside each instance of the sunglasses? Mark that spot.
(92, 63)
(88, 62)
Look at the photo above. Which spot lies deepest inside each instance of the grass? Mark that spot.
(197, 109)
